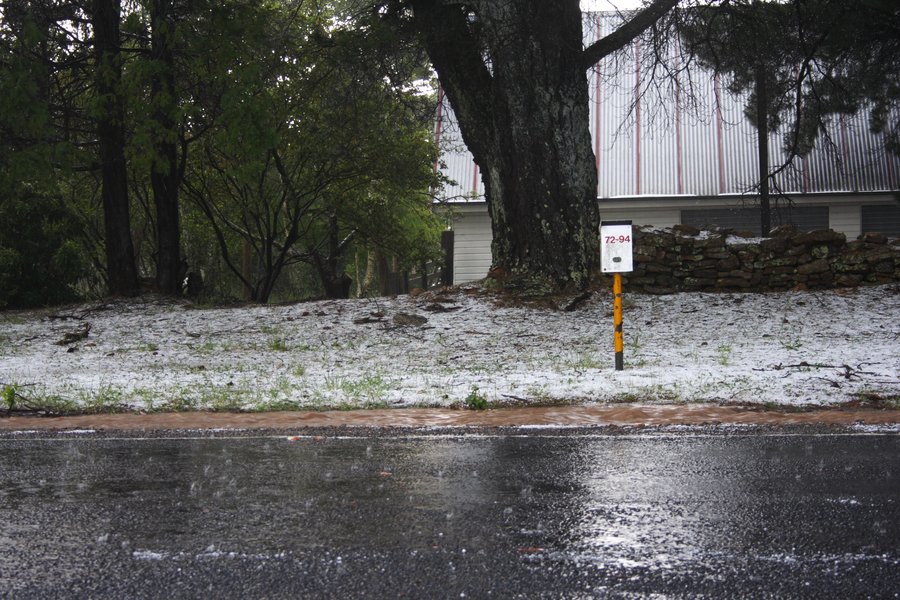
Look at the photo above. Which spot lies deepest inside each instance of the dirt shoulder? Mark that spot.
(570, 416)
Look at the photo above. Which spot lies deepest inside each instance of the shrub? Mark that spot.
(476, 400)
(40, 259)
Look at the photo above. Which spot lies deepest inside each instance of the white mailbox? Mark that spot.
(615, 247)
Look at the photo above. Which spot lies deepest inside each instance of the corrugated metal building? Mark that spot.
(682, 151)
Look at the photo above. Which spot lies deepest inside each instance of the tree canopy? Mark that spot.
(800, 64)
(272, 113)
(821, 58)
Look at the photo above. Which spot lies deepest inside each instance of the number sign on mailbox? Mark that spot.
(615, 247)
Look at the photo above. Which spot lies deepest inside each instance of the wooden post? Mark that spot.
(617, 257)
(424, 279)
(447, 266)
(617, 321)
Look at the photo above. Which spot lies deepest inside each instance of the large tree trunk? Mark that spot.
(514, 72)
(164, 175)
(120, 263)
(522, 103)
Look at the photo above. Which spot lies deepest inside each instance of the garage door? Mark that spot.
(883, 218)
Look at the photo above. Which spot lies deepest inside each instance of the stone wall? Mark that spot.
(684, 258)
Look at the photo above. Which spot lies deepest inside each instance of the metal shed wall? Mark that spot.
(687, 136)
(472, 242)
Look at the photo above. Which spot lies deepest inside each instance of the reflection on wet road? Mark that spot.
(445, 516)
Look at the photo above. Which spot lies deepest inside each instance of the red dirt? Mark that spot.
(424, 417)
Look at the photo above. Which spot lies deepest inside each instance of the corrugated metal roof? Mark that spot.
(689, 136)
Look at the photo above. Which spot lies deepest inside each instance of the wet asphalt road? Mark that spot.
(540, 513)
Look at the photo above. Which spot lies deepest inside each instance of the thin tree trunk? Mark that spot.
(248, 270)
(371, 269)
(762, 139)
(164, 175)
(384, 273)
(331, 268)
(359, 276)
(120, 260)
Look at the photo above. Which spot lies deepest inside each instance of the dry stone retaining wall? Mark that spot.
(684, 258)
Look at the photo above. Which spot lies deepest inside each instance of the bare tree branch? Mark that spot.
(626, 33)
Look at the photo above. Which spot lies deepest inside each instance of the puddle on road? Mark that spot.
(567, 416)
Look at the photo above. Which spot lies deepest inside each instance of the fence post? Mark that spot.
(424, 279)
(403, 282)
(447, 266)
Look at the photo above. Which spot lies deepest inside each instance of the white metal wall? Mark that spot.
(471, 243)
(846, 218)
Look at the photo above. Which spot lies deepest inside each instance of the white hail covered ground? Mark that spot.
(792, 348)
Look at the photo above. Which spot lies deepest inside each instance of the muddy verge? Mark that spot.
(569, 416)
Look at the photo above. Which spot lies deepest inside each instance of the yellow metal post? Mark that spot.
(617, 321)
